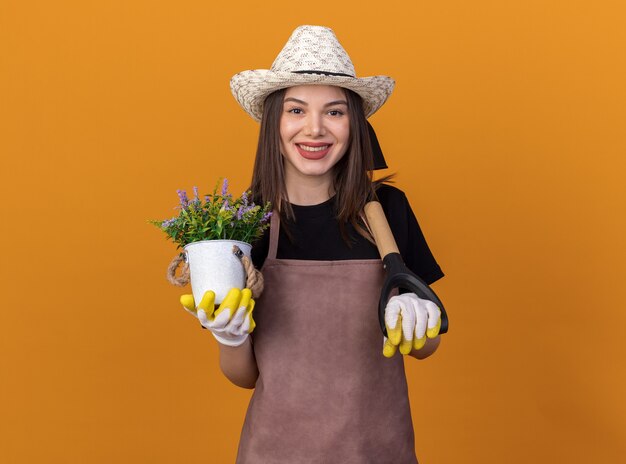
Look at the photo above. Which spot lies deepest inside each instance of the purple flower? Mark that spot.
(182, 195)
(195, 193)
(240, 213)
(168, 222)
(225, 187)
(244, 198)
(266, 216)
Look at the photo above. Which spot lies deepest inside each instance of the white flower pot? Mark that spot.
(214, 266)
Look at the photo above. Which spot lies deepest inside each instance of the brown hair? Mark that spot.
(352, 175)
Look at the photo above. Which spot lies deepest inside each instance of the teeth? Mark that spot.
(307, 148)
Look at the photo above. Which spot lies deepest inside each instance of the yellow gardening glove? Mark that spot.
(409, 320)
(231, 322)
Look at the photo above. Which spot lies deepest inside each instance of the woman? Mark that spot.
(323, 392)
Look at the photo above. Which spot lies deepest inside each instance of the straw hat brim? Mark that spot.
(251, 88)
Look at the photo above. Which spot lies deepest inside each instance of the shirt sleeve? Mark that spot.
(408, 234)
(260, 248)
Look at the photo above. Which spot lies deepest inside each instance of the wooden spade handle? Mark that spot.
(380, 229)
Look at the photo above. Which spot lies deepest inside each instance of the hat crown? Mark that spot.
(313, 48)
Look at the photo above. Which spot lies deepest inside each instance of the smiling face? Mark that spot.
(314, 131)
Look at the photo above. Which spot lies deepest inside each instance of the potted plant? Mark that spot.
(215, 233)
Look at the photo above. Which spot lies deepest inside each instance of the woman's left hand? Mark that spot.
(409, 321)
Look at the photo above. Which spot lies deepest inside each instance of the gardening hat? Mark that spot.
(312, 56)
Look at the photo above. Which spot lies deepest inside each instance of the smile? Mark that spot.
(313, 151)
(309, 148)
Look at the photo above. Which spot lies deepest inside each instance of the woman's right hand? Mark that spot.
(231, 322)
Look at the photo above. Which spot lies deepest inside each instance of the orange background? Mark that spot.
(506, 130)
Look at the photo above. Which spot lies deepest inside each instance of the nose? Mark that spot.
(314, 125)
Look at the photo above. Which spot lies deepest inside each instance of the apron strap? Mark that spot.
(274, 229)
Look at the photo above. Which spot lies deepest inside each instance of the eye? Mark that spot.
(336, 113)
(295, 111)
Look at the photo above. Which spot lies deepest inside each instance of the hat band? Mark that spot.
(325, 73)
